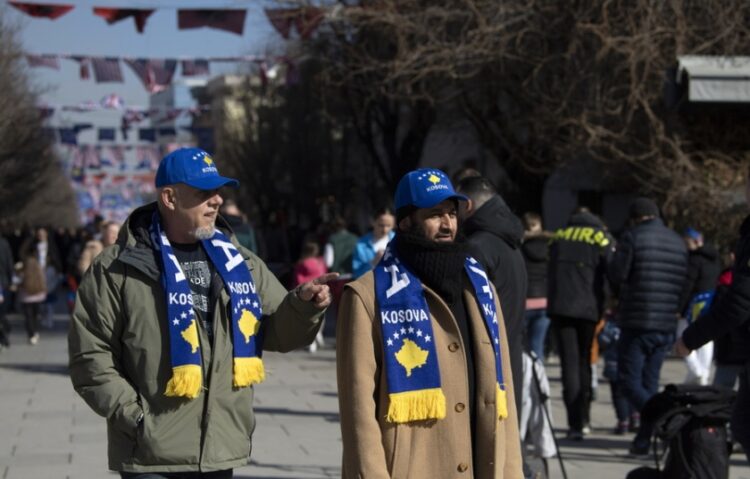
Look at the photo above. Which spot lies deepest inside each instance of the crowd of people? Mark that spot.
(440, 309)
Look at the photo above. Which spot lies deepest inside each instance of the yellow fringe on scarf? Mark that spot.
(501, 398)
(186, 381)
(248, 371)
(416, 405)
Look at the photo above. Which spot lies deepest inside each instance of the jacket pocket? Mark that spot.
(170, 431)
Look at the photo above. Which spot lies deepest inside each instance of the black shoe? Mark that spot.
(621, 428)
(639, 451)
(574, 435)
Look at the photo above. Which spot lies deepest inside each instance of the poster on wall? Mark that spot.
(112, 180)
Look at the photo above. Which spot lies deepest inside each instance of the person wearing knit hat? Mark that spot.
(643, 208)
(422, 349)
(648, 270)
(170, 324)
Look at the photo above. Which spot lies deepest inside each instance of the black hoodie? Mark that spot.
(494, 236)
(577, 266)
(535, 251)
(703, 272)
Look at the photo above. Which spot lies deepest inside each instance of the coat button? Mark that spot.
(453, 347)
(462, 467)
(460, 407)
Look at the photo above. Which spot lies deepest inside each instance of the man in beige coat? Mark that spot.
(423, 391)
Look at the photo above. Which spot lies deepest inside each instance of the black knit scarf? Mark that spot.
(439, 266)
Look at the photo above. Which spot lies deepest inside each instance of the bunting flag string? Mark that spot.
(305, 20)
(114, 102)
(155, 73)
(107, 135)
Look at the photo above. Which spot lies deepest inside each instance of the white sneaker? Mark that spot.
(34, 340)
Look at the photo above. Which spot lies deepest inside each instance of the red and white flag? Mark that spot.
(49, 61)
(107, 70)
(228, 20)
(155, 74)
(114, 15)
(196, 67)
(43, 10)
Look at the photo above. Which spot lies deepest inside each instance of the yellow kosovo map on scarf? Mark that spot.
(411, 356)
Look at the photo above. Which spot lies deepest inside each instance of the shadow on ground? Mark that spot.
(49, 368)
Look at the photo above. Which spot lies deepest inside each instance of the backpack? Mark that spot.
(691, 421)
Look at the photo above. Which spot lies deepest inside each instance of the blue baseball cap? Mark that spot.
(693, 233)
(193, 167)
(425, 188)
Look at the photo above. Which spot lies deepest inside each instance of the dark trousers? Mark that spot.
(4, 323)
(575, 338)
(225, 474)
(31, 314)
(620, 402)
(741, 413)
(640, 355)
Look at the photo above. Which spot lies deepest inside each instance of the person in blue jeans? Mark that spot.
(535, 250)
(648, 271)
(628, 420)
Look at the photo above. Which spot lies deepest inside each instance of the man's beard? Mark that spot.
(204, 232)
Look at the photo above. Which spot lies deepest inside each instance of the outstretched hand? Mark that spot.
(317, 291)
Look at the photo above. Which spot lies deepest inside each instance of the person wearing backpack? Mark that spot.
(732, 311)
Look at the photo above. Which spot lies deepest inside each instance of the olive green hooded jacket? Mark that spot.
(120, 359)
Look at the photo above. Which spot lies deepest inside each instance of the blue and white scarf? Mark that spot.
(245, 305)
(411, 361)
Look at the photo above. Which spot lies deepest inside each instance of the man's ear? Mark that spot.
(168, 198)
(469, 208)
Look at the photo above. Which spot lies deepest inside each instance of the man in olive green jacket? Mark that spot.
(119, 341)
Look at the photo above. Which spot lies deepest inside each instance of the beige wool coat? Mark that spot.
(374, 448)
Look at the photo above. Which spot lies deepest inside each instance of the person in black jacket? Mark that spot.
(535, 250)
(494, 236)
(730, 314)
(6, 276)
(697, 293)
(648, 269)
(575, 302)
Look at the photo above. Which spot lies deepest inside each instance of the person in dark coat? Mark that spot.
(697, 293)
(535, 250)
(6, 276)
(648, 270)
(730, 313)
(494, 236)
(575, 303)
(730, 350)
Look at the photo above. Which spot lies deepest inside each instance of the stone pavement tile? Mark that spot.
(284, 470)
(30, 458)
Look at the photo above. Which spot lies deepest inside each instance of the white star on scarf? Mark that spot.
(389, 342)
(411, 329)
(419, 333)
(176, 321)
(497, 341)
(427, 338)
(183, 315)
(403, 330)
(395, 335)
(192, 312)
(255, 304)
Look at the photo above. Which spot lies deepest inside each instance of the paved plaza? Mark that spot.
(49, 432)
